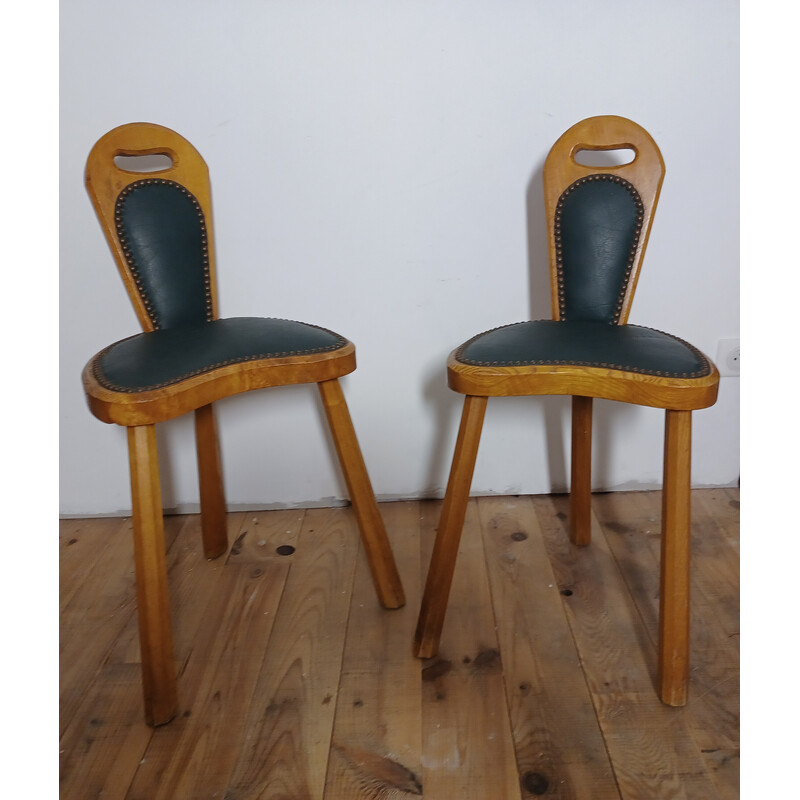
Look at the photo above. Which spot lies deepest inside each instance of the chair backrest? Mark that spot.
(599, 218)
(158, 222)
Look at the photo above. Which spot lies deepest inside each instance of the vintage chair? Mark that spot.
(598, 222)
(159, 227)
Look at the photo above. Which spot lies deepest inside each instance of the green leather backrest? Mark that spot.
(163, 234)
(598, 222)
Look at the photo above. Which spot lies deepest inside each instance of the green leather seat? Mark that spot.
(161, 358)
(628, 348)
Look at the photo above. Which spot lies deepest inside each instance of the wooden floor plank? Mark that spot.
(619, 662)
(285, 750)
(105, 741)
(376, 751)
(559, 744)
(265, 535)
(631, 525)
(98, 611)
(723, 505)
(81, 544)
(468, 750)
(195, 755)
(190, 576)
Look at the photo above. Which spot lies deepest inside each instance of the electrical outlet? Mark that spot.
(728, 359)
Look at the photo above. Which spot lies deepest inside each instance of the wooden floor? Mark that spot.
(295, 685)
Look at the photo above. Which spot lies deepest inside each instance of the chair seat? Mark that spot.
(595, 359)
(164, 373)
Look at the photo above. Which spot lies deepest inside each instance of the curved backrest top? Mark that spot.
(157, 221)
(599, 217)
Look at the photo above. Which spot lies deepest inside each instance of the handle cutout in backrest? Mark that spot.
(151, 162)
(614, 157)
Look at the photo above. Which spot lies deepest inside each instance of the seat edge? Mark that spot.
(680, 394)
(159, 405)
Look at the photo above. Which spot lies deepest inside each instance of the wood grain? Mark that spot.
(448, 537)
(376, 749)
(466, 731)
(683, 394)
(191, 578)
(373, 533)
(152, 589)
(618, 659)
(195, 756)
(712, 711)
(558, 742)
(98, 606)
(673, 618)
(284, 752)
(107, 738)
(82, 543)
(212, 491)
(294, 683)
(580, 487)
(264, 535)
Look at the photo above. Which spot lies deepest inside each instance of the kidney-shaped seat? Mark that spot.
(560, 355)
(130, 381)
(158, 224)
(598, 221)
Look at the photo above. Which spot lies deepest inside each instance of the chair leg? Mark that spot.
(155, 631)
(580, 493)
(373, 533)
(212, 493)
(673, 629)
(445, 549)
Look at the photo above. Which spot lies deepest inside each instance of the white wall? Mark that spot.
(376, 169)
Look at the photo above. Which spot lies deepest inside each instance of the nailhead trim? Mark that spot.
(559, 248)
(137, 279)
(705, 370)
(104, 382)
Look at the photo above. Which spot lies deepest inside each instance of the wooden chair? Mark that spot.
(159, 227)
(598, 223)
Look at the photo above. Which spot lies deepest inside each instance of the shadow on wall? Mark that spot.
(555, 410)
(446, 405)
(176, 448)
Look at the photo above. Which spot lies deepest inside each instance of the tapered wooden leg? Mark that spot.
(673, 631)
(212, 492)
(445, 549)
(155, 630)
(580, 492)
(373, 533)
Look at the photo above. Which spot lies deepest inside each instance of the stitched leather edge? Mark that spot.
(705, 370)
(562, 309)
(106, 384)
(123, 195)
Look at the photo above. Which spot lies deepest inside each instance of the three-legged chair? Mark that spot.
(598, 220)
(159, 227)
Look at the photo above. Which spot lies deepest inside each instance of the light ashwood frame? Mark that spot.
(645, 172)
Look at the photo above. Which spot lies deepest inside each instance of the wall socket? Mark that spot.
(728, 359)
